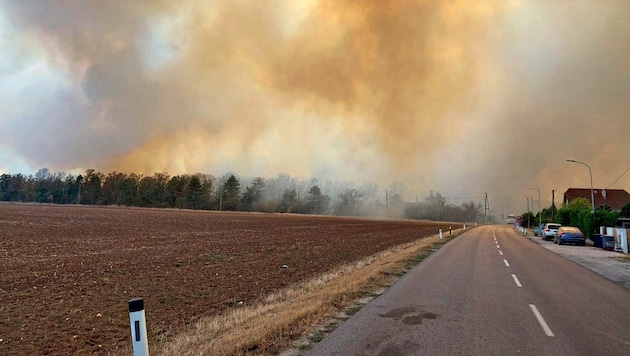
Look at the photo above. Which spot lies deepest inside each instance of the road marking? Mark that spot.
(541, 321)
(498, 246)
(501, 252)
(506, 262)
(518, 283)
(496, 242)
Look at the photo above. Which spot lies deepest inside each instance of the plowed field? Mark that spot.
(67, 272)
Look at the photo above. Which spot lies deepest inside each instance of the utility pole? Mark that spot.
(529, 198)
(486, 209)
(553, 204)
(539, 209)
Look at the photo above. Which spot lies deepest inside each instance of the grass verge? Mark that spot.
(287, 319)
(622, 258)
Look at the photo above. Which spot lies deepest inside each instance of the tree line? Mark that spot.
(282, 194)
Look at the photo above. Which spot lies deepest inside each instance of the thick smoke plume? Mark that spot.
(461, 97)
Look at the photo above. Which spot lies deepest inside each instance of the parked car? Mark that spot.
(538, 230)
(569, 235)
(549, 231)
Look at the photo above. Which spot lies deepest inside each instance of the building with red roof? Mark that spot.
(614, 198)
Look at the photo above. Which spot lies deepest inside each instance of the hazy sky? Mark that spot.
(460, 97)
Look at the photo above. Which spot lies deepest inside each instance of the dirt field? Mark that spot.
(68, 271)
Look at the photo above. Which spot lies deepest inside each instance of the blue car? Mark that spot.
(569, 235)
(538, 230)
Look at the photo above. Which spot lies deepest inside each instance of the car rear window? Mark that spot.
(554, 227)
(572, 229)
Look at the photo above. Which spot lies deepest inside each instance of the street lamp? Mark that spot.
(590, 173)
(539, 212)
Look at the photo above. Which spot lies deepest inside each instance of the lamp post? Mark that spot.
(539, 212)
(590, 173)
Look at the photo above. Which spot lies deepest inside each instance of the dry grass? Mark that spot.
(282, 318)
(622, 258)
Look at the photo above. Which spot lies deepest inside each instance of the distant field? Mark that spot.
(68, 271)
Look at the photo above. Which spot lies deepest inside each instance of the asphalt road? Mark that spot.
(490, 292)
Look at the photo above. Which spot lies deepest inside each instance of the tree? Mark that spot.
(528, 219)
(148, 192)
(317, 203)
(578, 213)
(120, 189)
(350, 202)
(12, 187)
(92, 188)
(253, 195)
(231, 192)
(175, 191)
(435, 204)
(471, 211)
(74, 184)
(289, 200)
(603, 217)
(193, 193)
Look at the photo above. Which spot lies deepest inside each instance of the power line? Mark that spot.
(624, 173)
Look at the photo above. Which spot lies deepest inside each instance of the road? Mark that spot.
(490, 292)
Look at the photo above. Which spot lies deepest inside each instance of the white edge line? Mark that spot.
(518, 283)
(542, 322)
(506, 262)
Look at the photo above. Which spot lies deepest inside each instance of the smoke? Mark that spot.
(454, 96)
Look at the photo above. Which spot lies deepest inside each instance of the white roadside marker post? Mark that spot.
(138, 327)
(440, 230)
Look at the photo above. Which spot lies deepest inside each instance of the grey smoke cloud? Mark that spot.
(458, 97)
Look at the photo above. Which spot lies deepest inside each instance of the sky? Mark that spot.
(460, 97)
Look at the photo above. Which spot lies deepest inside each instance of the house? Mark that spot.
(614, 198)
(623, 223)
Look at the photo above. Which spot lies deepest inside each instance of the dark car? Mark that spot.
(569, 235)
(549, 231)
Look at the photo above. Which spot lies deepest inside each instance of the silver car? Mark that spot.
(549, 231)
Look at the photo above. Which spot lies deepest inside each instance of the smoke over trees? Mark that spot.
(282, 194)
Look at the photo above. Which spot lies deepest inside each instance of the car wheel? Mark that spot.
(559, 243)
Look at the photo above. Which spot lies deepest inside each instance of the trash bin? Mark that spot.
(608, 243)
(597, 240)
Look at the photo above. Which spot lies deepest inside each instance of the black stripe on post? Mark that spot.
(136, 305)
(137, 330)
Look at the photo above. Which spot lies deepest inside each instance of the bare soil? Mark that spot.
(67, 272)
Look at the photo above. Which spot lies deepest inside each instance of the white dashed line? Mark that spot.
(542, 322)
(518, 283)
(506, 262)
(500, 252)
(498, 246)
